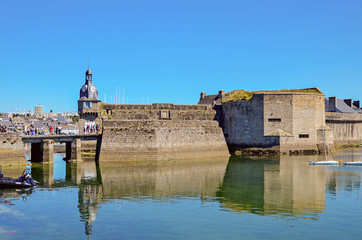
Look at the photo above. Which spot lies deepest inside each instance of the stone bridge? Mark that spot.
(42, 146)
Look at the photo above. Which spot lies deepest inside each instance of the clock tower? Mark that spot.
(88, 103)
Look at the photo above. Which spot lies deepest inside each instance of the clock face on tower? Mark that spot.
(84, 88)
(93, 88)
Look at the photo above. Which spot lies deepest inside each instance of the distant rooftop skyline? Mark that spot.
(171, 51)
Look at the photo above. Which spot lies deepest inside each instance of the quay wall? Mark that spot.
(11, 149)
(344, 127)
(160, 131)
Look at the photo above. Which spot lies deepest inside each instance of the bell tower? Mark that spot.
(88, 103)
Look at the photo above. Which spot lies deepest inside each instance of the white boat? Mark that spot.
(325, 162)
(353, 163)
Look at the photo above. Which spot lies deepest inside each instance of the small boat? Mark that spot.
(325, 162)
(353, 163)
(24, 181)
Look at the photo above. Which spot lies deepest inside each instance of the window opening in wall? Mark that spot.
(274, 120)
(303, 135)
(164, 114)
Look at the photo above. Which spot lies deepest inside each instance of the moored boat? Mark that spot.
(324, 162)
(24, 181)
(353, 163)
(6, 182)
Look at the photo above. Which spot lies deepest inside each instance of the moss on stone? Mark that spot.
(238, 96)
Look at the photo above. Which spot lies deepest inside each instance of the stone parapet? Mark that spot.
(132, 140)
(11, 149)
(344, 127)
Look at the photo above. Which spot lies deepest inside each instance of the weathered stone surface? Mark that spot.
(160, 131)
(11, 149)
(284, 122)
(344, 127)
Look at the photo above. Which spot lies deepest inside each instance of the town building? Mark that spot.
(39, 110)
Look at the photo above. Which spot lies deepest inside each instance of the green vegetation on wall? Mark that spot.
(238, 95)
(75, 119)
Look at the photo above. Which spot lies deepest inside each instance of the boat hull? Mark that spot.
(13, 183)
(324, 162)
(353, 163)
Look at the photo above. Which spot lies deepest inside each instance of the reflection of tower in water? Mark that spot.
(86, 175)
(89, 197)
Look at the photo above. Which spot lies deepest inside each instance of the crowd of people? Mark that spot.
(31, 131)
(96, 129)
(87, 129)
(3, 128)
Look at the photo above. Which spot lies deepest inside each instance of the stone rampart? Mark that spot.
(11, 149)
(344, 127)
(160, 131)
(281, 122)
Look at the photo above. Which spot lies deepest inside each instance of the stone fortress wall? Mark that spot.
(160, 131)
(281, 122)
(11, 148)
(344, 127)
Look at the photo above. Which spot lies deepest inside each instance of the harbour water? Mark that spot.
(237, 198)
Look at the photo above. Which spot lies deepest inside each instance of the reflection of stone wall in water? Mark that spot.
(11, 149)
(299, 187)
(242, 188)
(187, 178)
(13, 171)
(288, 186)
(43, 173)
(342, 179)
(160, 131)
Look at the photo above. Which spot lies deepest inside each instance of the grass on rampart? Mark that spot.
(306, 90)
(238, 95)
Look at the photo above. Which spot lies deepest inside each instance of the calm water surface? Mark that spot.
(236, 198)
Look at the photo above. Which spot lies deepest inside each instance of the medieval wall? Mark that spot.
(308, 116)
(11, 149)
(344, 127)
(160, 131)
(282, 121)
(244, 124)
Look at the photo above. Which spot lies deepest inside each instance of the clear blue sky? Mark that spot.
(170, 51)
